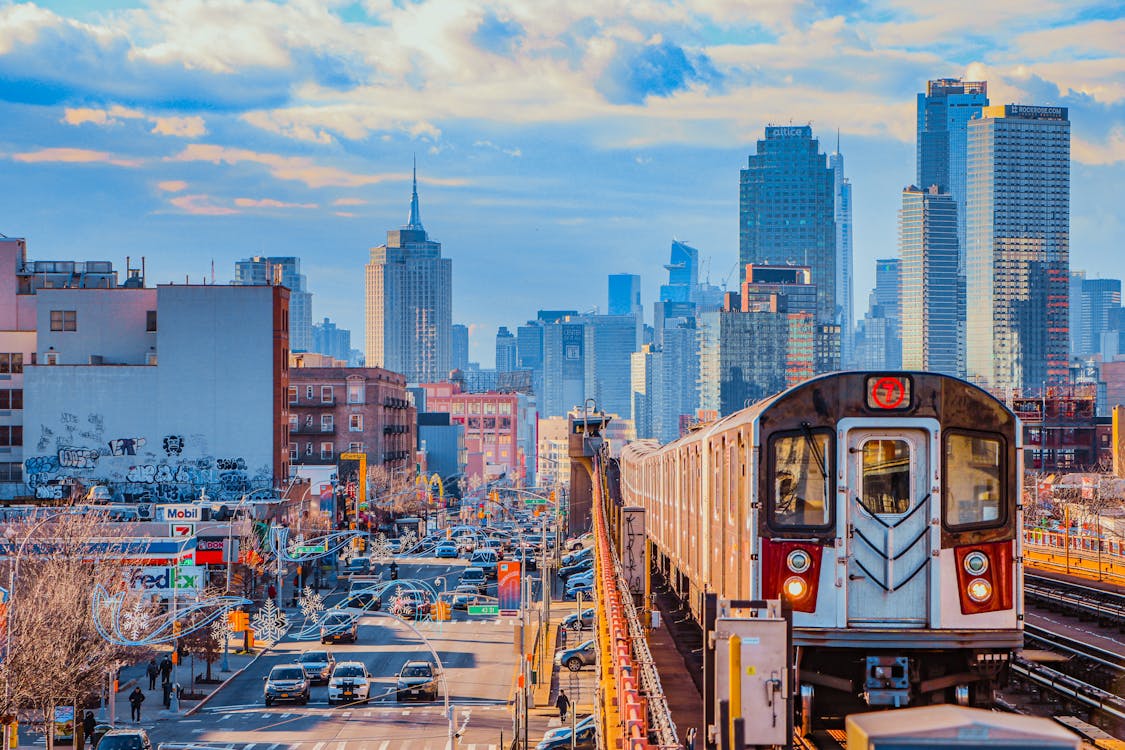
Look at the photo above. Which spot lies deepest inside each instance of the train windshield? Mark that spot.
(886, 476)
(802, 471)
(973, 471)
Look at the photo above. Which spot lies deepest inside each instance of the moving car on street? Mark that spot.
(125, 739)
(445, 550)
(286, 682)
(417, 680)
(474, 576)
(317, 665)
(338, 625)
(349, 683)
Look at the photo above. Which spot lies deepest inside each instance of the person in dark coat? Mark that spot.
(165, 670)
(89, 726)
(562, 703)
(136, 698)
(152, 671)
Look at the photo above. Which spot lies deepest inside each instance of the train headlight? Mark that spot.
(980, 590)
(798, 561)
(795, 587)
(976, 563)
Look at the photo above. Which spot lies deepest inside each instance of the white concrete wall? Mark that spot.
(109, 323)
(201, 418)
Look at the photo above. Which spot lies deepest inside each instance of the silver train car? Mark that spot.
(884, 506)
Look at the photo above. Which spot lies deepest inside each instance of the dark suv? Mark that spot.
(287, 682)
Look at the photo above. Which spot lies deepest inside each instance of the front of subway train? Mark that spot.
(890, 524)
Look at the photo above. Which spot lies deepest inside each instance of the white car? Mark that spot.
(349, 683)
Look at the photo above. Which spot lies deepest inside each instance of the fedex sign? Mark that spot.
(164, 582)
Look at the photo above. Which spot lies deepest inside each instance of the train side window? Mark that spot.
(973, 480)
(800, 475)
(886, 477)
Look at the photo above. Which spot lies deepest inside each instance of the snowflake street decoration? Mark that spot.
(136, 620)
(396, 602)
(408, 540)
(269, 623)
(380, 549)
(220, 629)
(311, 604)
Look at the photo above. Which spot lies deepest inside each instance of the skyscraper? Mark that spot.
(459, 358)
(610, 341)
(625, 294)
(844, 260)
(409, 303)
(332, 341)
(1099, 304)
(877, 345)
(787, 208)
(505, 351)
(282, 271)
(928, 256)
(1018, 254)
(944, 112)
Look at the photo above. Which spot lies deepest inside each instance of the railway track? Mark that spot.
(1071, 688)
(1110, 660)
(1084, 602)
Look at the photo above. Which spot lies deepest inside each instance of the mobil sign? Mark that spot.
(166, 581)
(179, 512)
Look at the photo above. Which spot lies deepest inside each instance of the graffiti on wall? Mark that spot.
(77, 455)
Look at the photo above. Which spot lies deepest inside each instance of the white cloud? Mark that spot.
(201, 205)
(172, 186)
(269, 203)
(74, 156)
(182, 127)
(1112, 151)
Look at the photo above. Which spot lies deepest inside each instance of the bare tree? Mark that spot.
(55, 656)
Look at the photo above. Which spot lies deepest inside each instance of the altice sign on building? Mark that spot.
(166, 581)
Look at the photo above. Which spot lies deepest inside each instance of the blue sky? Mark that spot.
(557, 140)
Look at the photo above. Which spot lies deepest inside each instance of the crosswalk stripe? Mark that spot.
(224, 717)
(318, 746)
(346, 714)
(274, 746)
(386, 744)
(286, 716)
(247, 747)
(340, 745)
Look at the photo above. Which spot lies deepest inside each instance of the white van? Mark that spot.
(485, 559)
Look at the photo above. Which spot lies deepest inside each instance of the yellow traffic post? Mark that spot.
(735, 676)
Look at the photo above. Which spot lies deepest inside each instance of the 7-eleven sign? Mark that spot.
(181, 529)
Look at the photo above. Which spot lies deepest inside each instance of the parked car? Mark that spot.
(358, 566)
(564, 731)
(578, 567)
(586, 576)
(125, 739)
(349, 683)
(286, 682)
(445, 550)
(586, 588)
(338, 625)
(418, 679)
(584, 739)
(579, 542)
(586, 553)
(582, 655)
(579, 621)
(474, 576)
(317, 665)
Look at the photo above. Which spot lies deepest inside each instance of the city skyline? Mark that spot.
(561, 147)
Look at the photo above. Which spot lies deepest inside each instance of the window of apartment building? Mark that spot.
(504, 439)
(489, 407)
(150, 320)
(327, 422)
(308, 392)
(355, 423)
(326, 451)
(505, 423)
(64, 320)
(11, 435)
(355, 447)
(292, 451)
(11, 363)
(11, 472)
(474, 407)
(355, 393)
(308, 421)
(308, 449)
(505, 408)
(490, 423)
(325, 394)
(292, 394)
(11, 399)
(294, 422)
(458, 408)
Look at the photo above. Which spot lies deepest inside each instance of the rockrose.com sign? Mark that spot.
(163, 582)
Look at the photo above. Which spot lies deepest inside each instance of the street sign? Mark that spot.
(484, 609)
(535, 501)
(352, 456)
(310, 549)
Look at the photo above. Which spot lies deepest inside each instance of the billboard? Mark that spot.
(166, 581)
(211, 550)
(508, 587)
(179, 512)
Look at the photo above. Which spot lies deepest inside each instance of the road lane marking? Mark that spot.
(318, 746)
(286, 716)
(340, 745)
(224, 717)
(247, 747)
(386, 744)
(274, 746)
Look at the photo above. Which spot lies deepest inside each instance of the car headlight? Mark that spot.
(975, 563)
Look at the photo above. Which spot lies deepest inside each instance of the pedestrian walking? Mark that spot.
(562, 703)
(691, 738)
(296, 589)
(89, 727)
(152, 671)
(165, 670)
(136, 698)
(167, 694)
(271, 592)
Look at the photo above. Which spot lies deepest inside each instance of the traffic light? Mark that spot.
(238, 621)
(552, 496)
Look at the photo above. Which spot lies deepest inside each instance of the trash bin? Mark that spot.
(443, 611)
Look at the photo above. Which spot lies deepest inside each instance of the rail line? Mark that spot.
(1085, 602)
(1059, 642)
(1070, 687)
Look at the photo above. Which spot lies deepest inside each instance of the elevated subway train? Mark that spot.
(884, 506)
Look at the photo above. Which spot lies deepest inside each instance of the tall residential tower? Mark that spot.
(409, 303)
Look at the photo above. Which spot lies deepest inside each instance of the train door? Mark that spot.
(886, 526)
